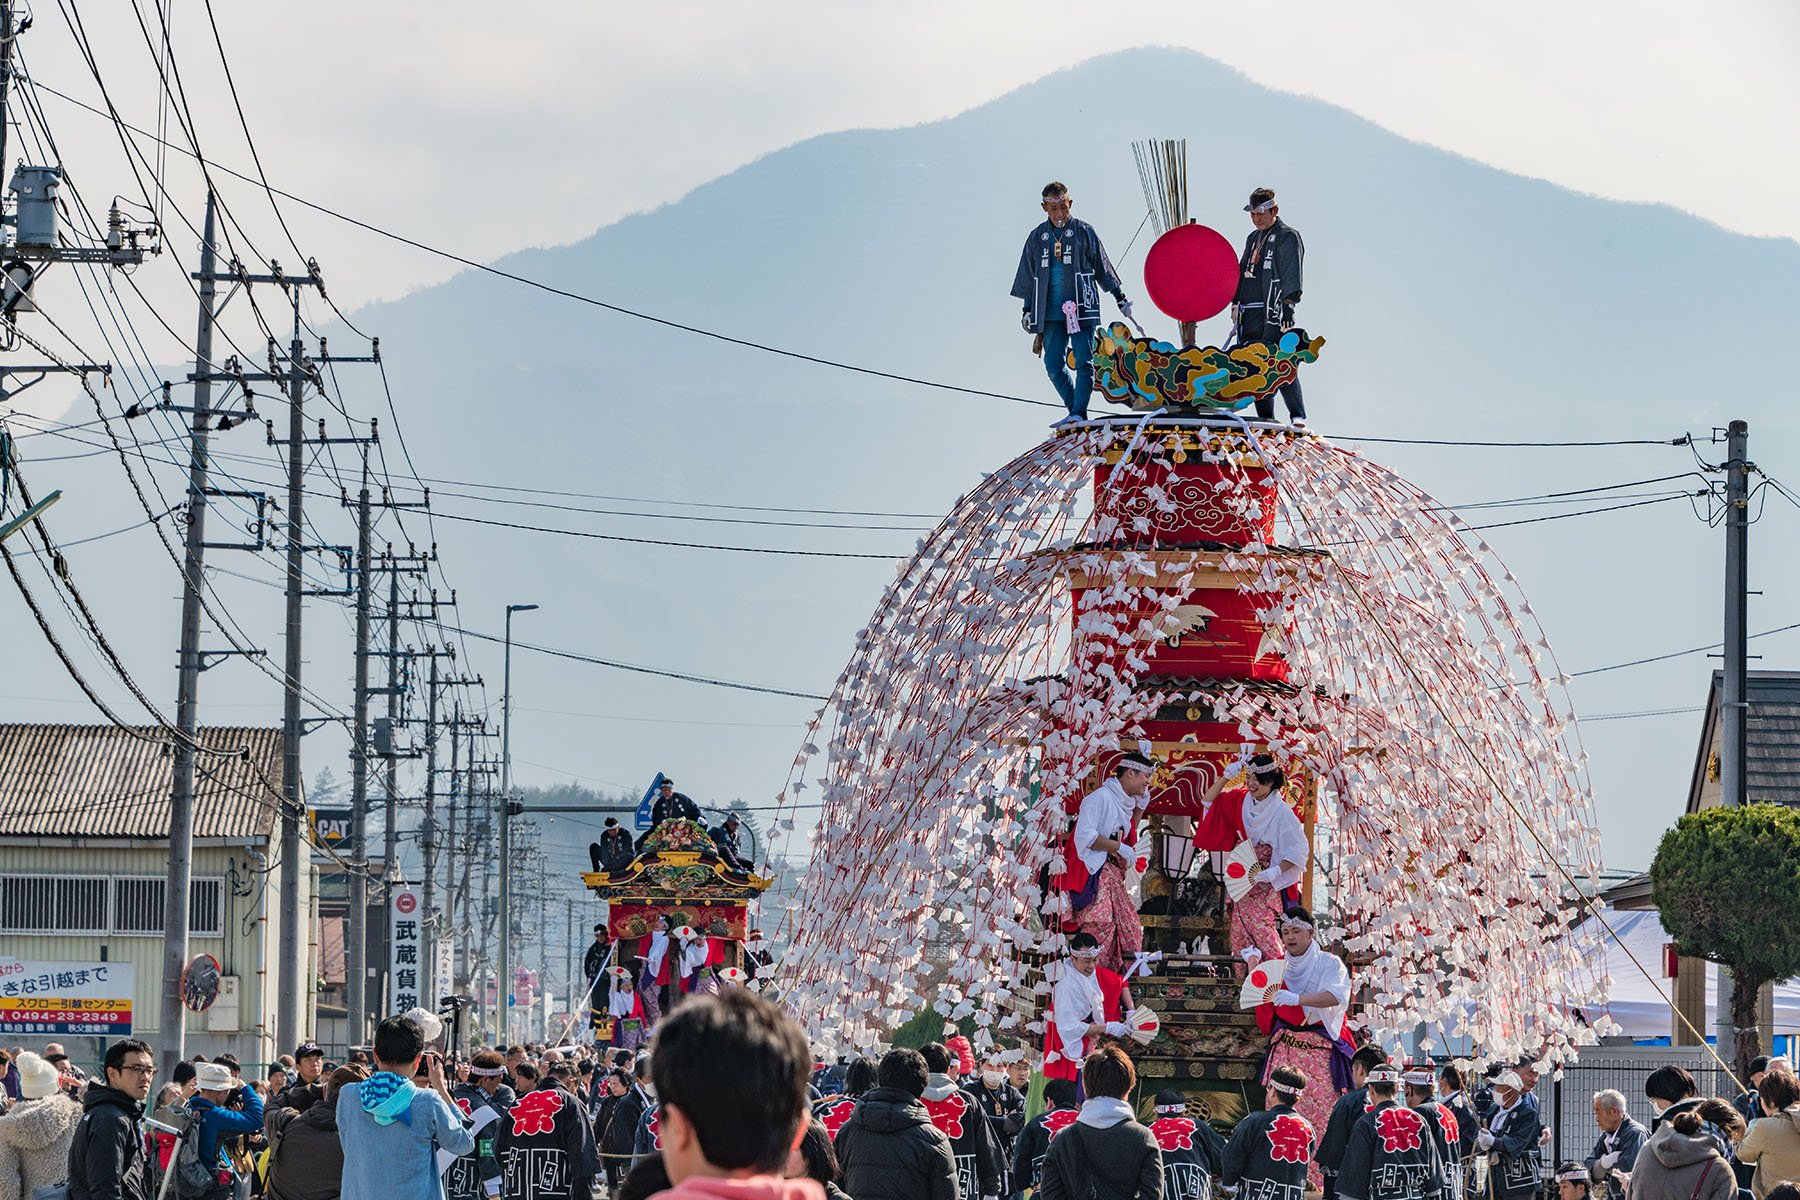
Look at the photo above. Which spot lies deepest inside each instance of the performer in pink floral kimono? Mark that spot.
(1305, 1021)
(1260, 815)
(1099, 849)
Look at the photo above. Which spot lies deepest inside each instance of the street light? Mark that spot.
(503, 985)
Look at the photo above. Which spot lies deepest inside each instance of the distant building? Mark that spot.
(84, 825)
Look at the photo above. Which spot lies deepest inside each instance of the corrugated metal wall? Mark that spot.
(243, 951)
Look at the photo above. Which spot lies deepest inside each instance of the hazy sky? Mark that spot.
(487, 129)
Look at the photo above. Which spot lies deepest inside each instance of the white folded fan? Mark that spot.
(1240, 870)
(1142, 1025)
(1261, 984)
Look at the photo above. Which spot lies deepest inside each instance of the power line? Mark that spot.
(615, 537)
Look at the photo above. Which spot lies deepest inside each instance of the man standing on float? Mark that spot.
(1099, 849)
(1062, 271)
(1268, 289)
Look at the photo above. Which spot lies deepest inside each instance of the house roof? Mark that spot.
(1771, 736)
(99, 781)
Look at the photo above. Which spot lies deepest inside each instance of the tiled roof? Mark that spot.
(98, 781)
(1771, 737)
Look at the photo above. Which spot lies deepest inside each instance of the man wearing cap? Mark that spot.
(1305, 1021)
(1392, 1154)
(1267, 1155)
(1446, 1130)
(1062, 271)
(613, 852)
(1268, 289)
(1745, 1101)
(1099, 850)
(1510, 1140)
(725, 837)
(309, 1067)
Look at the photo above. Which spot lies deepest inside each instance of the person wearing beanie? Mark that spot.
(35, 1135)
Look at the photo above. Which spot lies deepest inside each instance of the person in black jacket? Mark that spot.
(725, 838)
(1192, 1151)
(545, 1146)
(106, 1158)
(1062, 271)
(477, 1174)
(1105, 1154)
(1445, 1126)
(619, 1137)
(672, 805)
(614, 851)
(1034, 1140)
(1468, 1122)
(889, 1149)
(1267, 1154)
(1392, 1153)
(1004, 1107)
(1344, 1115)
(1268, 290)
(980, 1166)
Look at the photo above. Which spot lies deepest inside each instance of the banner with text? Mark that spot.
(65, 997)
(405, 942)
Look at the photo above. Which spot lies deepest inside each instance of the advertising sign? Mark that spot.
(405, 943)
(65, 997)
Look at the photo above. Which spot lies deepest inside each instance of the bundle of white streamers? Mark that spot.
(1452, 787)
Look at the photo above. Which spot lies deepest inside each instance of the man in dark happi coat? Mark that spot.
(477, 1173)
(1392, 1154)
(1267, 1155)
(1510, 1140)
(1446, 1128)
(545, 1147)
(1193, 1153)
(1033, 1142)
(1344, 1116)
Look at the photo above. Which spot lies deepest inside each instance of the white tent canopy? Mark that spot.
(1639, 1004)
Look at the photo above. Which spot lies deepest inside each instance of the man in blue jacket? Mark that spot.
(216, 1088)
(1062, 271)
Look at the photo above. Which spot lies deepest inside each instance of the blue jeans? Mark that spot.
(1058, 341)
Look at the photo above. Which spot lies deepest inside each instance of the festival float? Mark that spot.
(677, 875)
(1177, 581)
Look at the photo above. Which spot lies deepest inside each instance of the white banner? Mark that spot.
(406, 963)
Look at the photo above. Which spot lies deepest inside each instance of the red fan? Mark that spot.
(1261, 984)
(1240, 870)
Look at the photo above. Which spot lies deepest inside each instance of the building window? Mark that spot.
(53, 904)
(138, 905)
(80, 904)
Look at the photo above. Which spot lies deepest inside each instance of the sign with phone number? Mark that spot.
(66, 998)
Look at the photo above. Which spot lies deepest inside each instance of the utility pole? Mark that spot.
(356, 956)
(1734, 698)
(292, 973)
(435, 926)
(171, 1031)
(505, 816)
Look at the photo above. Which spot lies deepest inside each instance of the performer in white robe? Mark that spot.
(1305, 1022)
(1100, 848)
(1085, 1002)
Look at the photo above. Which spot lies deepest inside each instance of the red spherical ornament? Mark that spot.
(1191, 272)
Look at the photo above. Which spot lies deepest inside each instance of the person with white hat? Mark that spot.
(1511, 1140)
(1392, 1155)
(35, 1135)
(216, 1088)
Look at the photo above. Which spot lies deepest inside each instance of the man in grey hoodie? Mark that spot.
(1105, 1154)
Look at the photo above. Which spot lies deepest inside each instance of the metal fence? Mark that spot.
(1568, 1105)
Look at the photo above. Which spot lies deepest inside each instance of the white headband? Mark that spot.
(487, 1070)
(1174, 1110)
(1287, 920)
(1086, 952)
